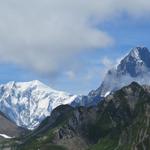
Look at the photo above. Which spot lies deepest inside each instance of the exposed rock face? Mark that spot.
(120, 122)
(135, 63)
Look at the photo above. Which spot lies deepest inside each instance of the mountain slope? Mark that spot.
(120, 122)
(9, 129)
(28, 103)
(135, 66)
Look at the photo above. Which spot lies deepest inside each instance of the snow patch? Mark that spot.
(107, 93)
(6, 136)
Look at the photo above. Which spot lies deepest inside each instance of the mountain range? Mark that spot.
(119, 122)
(115, 116)
(29, 103)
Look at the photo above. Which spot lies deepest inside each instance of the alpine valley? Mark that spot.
(115, 116)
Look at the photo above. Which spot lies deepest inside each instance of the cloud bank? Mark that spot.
(44, 34)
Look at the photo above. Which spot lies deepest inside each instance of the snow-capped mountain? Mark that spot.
(28, 103)
(135, 66)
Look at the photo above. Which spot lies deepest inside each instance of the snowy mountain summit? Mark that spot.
(136, 63)
(28, 103)
(135, 66)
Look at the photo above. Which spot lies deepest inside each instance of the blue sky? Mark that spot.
(75, 72)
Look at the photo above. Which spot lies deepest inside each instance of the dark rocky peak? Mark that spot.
(131, 95)
(139, 53)
(134, 86)
(57, 114)
(135, 63)
(134, 89)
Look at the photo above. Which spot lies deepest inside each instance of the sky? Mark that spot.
(69, 44)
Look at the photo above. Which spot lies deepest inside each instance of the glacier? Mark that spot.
(28, 103)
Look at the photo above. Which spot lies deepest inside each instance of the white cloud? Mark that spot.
(108, 63)
(43, 34)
